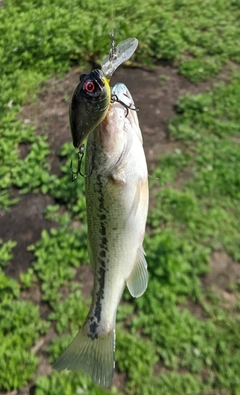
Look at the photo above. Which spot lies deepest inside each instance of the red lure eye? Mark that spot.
(89, 86)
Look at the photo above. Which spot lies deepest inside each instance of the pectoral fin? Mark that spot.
(138, 280)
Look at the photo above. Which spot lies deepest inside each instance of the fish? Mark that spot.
(117, 207)
(89, 105)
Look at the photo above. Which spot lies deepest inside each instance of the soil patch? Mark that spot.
(24, 223)
(224, 272)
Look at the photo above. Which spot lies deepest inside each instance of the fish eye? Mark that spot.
(89, 86)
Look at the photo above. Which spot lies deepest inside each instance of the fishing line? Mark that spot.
(113, 52)
(113, 15)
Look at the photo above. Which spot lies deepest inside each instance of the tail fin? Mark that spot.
(94, 356)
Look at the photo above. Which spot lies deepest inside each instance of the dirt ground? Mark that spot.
(156, 93)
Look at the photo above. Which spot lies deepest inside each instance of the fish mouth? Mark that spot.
(122, 93)
(123, 101)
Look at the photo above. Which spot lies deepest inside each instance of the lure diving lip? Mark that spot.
(122, 52)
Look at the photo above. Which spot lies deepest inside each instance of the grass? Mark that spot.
(21, 327)
(165, 347)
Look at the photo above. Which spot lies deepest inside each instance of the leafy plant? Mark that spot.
(57, 253)
(20, 328)
(69, 383)
(6, 252)
(72, 311)
(136, 357)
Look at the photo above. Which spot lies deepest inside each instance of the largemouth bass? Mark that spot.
(89, 105)
(117, 205)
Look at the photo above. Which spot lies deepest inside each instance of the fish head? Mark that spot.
(89, 105)
(119, 130)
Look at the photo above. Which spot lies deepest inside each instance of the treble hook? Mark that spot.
(80, 158)
(131, 106)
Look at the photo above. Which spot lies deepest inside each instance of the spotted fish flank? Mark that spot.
(117, 205)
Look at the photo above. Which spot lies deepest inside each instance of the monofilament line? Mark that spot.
(112, 53)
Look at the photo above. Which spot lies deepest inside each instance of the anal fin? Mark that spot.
(138, 280)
